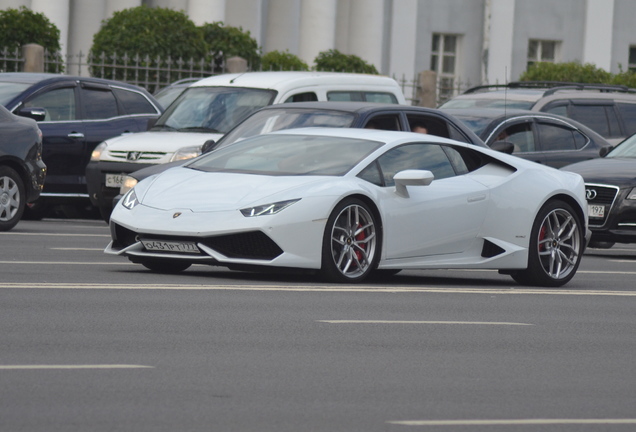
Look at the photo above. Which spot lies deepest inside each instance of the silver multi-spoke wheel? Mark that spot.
(559, 244)
(351, 245)
(556, 246)
(11, 198)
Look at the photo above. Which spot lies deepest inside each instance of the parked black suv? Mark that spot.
(75, 114)
(22, 171)
(609, 110)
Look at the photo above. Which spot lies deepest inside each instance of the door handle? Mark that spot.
(76, 135)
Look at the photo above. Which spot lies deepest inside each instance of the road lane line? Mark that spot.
(422, 322)
(511, 422)
(98, 366)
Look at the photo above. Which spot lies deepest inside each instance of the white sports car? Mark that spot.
(352, 203)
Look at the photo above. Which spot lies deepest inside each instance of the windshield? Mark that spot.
(212, 109)
(9, 90)
(476, 124)
(288, 155)
(487, 103)
(271, 120)
(626, 149)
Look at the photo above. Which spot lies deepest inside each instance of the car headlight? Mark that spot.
(97, 151)
(632, 194)
(267, 209)
(130, 200)
(186, 153)
(128, 184)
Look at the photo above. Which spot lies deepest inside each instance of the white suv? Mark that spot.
(209, 108)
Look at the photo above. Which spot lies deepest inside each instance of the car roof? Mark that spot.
(354, 107)
(44, 78)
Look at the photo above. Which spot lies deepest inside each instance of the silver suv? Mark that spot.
(609, 110)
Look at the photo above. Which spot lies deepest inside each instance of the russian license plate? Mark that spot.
(596, 211)
(114, 180)
(170, 246)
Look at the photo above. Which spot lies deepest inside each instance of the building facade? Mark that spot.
(467, 42)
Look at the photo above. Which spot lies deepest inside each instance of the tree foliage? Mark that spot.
(334, 60)
(22, 26)
(226, 41)
(283, 61)
(577, 72)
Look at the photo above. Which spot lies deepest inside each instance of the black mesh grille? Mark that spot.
(250, 245)
(490, 250)
(122, 237)
(600, 195)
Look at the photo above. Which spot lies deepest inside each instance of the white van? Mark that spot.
(211, 107)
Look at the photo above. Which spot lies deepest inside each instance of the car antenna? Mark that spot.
(237, 77)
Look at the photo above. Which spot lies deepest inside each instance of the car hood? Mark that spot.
(159, 141)
(613, 171)
(185, 188)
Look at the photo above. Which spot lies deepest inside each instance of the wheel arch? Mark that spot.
(376, 213)
(572, 202)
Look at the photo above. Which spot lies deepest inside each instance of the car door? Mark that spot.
(562, 144)
(63, 136)
(442, 218)
(521, 132)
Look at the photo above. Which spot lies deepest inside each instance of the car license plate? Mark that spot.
(114, 180)
(170, 246)
(596, 211)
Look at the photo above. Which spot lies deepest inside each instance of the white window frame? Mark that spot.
(448, 48)
(542, 48)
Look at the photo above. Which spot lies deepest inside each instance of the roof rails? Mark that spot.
(553, 87)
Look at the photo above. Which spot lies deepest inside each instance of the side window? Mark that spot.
(372, 174)
(384, 122)
(134, 103)
(59, 104)
(99, 104)
(428, 124)
(520, 135)
(418, 156)
(561, 110)
(302, 97)
(361, 96)
(601, 118)
(456, 159)
(556, 138)
(628, 114)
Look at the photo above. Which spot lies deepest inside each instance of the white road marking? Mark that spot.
(98, 366)
(421, 322)
(511, 422)
(317, 288)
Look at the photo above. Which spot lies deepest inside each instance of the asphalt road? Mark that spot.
(90, 342)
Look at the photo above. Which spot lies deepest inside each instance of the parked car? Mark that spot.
(209, 108)
(540, 137)
(168, 94)
(610, 110)
(22, 170)
(610, 185)
(75, 114)
(348, 202)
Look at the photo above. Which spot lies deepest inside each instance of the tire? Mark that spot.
(557, 244)
(351, 243)
(166, 266)
(12, 198)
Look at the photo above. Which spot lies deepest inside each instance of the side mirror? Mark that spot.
(208, 146)
(605, 150)
(411, 178)
(503, 146)
(37, 114)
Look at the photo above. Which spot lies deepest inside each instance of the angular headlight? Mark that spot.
(97, 152)
(267, 209)
(186, 153)
(128, 184)
(130, 200)
(632, 194)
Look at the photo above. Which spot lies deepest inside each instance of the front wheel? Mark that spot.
(351, 243)
(12, 198)
(556, 247)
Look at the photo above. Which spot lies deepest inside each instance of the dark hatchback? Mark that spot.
(22, 170)
(610, 186)
(544, 138)
(75, 114)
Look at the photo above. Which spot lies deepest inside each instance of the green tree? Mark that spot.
(566, 72)
(334, 60)
(149, 33)
(283, 61)
(226, 41)
(22, 26)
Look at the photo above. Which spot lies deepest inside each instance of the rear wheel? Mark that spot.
(556, 247)
(351, 246)
(166, 266)
(12, 198)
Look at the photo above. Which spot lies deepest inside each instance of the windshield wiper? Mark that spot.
(161, 127)
(198, 129)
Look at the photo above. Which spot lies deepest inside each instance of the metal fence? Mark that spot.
(156, 73)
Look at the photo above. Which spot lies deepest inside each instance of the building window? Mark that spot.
(632, 59)
(444, 53)
(542, 51)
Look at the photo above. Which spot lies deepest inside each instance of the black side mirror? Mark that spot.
(503, 146)
(208, 146)
(37, 114)
(605, 150)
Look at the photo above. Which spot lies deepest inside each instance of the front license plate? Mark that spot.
(596, 211)
(114, 180)
(170, 246)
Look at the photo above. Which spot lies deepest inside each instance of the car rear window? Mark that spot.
(361, 96)
(134, 103)
(628, 114)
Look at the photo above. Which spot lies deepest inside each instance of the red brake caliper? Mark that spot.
(541, 238)
(360, 237)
